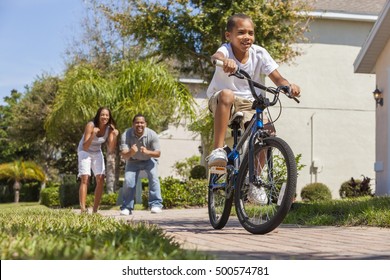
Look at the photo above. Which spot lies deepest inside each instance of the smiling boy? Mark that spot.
(228, 95)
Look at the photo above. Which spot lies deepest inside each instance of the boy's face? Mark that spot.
(242, 36)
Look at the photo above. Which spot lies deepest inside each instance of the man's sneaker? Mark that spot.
(125, 212)
(217, 157)
(156, 210)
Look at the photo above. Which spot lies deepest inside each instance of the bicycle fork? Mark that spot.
(257, 130)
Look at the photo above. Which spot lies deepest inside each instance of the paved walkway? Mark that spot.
(191, 228)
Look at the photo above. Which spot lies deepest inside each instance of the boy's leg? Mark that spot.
(222, 113)
(221, 105)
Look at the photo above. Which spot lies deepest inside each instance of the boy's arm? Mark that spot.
(279, 80)
(219, 56)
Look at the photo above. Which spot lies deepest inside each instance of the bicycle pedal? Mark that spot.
(218, 169)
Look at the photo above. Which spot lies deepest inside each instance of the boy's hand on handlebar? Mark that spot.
(228, 65)
(295, 90)
(292, 91)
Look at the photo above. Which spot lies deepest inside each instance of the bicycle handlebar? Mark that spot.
(241, 74)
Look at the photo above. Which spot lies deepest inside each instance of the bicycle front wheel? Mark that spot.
(220, 198)
(262, 205)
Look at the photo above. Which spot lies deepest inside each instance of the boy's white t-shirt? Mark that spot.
(259, 62)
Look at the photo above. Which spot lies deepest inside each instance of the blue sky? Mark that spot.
(34, 35)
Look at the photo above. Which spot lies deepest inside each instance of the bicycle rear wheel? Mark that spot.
(262, 206)
(220, 198)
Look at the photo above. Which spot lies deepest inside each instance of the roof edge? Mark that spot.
(369, 41)
(343, 16)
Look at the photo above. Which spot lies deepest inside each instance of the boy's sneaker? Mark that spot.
(217, 157)
(125, 212)
(156, 210)
(257, 195)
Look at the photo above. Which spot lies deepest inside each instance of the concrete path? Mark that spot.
(191, 228)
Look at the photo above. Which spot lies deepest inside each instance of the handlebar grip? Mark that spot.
(296, 99)
(218, 62)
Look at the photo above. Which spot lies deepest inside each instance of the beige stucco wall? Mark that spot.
(382, 71)
(334, 124)
(177, 144)
(338, 108)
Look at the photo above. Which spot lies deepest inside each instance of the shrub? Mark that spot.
(356, 188)
(183, 168)
(109, 199)
(316, 192)
(30, 191)
(69, 191)
(176, 193)
(197, 192)
(6, 193)
(198, 172)
(50, 197)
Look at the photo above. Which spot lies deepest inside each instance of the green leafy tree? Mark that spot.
(27, 125)
(190, 31)
(19, 171)
(10, 150)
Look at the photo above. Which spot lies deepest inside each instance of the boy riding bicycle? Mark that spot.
(228, 95)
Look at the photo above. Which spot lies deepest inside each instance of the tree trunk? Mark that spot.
(110, 172)
(17, 191)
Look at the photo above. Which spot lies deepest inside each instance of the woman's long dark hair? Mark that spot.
(111, 121)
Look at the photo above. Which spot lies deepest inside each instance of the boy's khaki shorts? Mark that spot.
(239, 105)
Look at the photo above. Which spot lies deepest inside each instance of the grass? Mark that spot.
(31, 231)
(363, 211)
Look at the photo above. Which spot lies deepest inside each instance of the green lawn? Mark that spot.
(363, 211)
(31, 231)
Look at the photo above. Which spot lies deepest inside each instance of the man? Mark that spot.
(140, 147)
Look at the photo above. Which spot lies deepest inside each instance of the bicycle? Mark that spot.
(263, 183)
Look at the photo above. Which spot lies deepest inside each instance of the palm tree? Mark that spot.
(19, 171)
(127, 88)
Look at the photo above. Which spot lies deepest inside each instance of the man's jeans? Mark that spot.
(132, 171)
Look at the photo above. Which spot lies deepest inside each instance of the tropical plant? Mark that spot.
(19, 171)
(356, 188)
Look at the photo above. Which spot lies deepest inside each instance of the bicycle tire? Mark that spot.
(261, 207)
(220, 199)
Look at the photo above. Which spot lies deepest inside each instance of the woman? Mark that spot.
(100, 130)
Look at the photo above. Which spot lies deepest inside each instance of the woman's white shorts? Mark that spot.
(88, 161)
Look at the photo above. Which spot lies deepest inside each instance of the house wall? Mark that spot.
(177, 144)
(382, 164)
(334, 125)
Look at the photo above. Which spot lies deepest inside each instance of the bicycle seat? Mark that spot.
(236, 119)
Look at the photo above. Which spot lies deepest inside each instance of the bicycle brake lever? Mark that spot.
(237, 74)
(287, 91)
